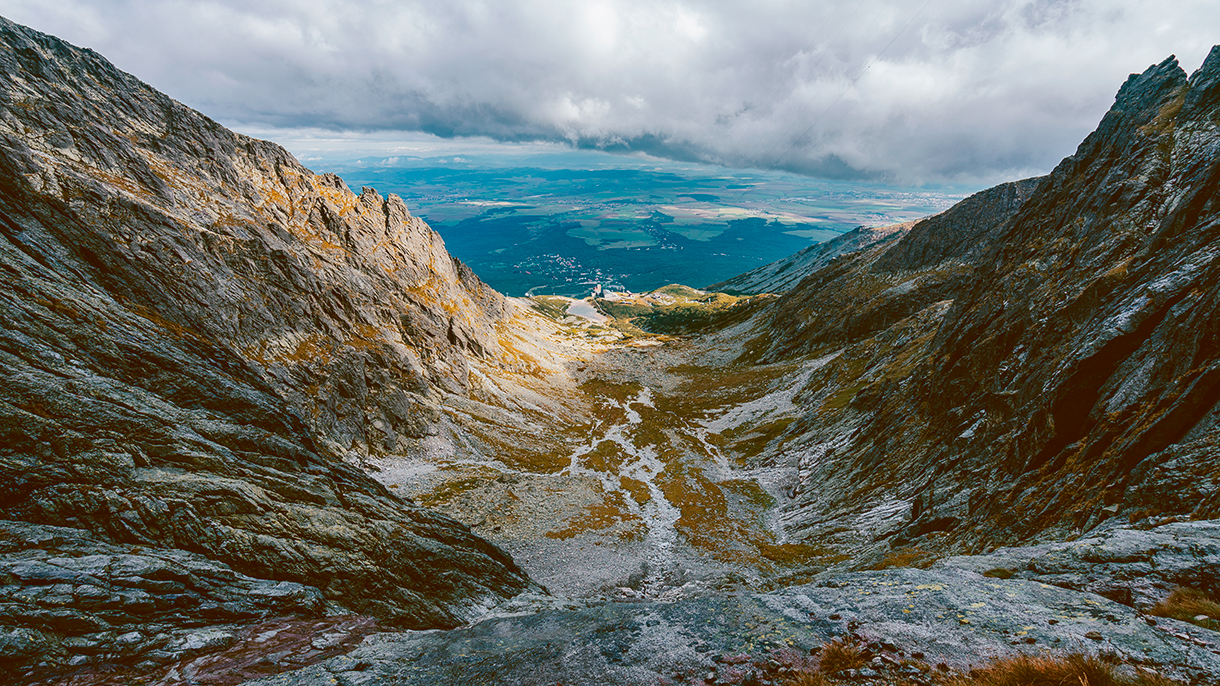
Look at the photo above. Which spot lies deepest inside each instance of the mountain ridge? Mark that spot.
(982, 378)
(784, 274)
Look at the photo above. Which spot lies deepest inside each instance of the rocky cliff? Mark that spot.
(200, 335)
(1034, 361)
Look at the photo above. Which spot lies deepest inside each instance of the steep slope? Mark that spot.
(784, 274)
(954, 233)
(867, 291)
(197, 332)
(994, 377)
(960, 233)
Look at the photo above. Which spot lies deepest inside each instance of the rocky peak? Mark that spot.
(959, 231)
(1079, 281)
(1204, 83)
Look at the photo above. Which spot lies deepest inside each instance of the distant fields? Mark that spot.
(558, 231)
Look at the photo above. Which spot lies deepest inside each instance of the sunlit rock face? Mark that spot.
(197, 330)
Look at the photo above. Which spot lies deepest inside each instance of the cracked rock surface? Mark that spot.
(936, 617)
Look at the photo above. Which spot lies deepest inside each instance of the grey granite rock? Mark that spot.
(1028, 365)
(1132, 566)
(949, 616)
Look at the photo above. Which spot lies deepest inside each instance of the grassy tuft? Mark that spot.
(1186, 604)
(806, 679)
(1000, 573)
(1072, 670)
(906, 557)
(840, 655)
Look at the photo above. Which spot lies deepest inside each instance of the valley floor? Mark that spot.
(637, 482)
(645, 481)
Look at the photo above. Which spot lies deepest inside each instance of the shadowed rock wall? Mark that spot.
(1024, 363)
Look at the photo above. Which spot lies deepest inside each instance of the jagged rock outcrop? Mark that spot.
(1035, 369)
(197, 332)
(71, 596)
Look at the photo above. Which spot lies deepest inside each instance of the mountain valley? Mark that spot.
(258, 428)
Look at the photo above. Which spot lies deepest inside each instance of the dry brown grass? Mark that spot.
(840, 655)
(1021, 670)
(1186, 604)
(907, 557)
(599, 516)
(806, 679)
(1072, 670)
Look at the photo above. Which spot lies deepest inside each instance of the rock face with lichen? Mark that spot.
(200, 335)
(911, 626)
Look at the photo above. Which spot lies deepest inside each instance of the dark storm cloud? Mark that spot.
(947, 90)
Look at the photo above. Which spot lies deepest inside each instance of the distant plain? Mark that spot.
(534, 230)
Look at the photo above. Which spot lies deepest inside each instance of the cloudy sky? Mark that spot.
(961, 91)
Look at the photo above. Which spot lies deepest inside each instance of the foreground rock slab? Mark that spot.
(1132, 566)
(946, 619)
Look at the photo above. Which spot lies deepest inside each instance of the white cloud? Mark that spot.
(972, 91)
